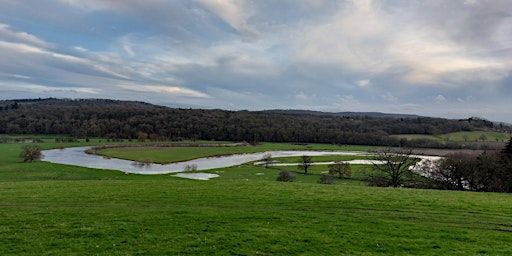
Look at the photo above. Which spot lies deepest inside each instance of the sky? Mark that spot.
(446, 58)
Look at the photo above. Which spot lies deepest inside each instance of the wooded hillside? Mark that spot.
(136, 120)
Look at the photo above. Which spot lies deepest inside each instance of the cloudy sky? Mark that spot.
(449, 58)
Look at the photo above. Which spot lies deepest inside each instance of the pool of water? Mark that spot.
(197, 176)
(77, 156)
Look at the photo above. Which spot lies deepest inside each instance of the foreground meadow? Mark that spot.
(55, 209)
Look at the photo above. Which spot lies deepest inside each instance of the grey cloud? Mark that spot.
(350, 55)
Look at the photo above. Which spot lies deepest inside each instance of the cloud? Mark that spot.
(107, 69)
(232, 12)
(112, 5)
(347, 100)
(367, 37)
(170, 90)
(358, 55)
(8, 35)
(439, 99)
(363, 83)
(389, 97)
(301, 96)
(43, 89)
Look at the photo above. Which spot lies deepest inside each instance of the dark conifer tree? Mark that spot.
(508, 149)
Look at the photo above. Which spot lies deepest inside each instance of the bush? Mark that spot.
(143, 163)
(326, 179)
(31, 153)
(286, 176)
(378, 181)
(190, 168)
(341, 169)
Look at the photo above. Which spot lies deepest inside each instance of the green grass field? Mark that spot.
(54, 209)
(321, 158)
(474, 136)
(177, 154)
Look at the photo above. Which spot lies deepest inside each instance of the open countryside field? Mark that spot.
(244, 127)
(321, 158)
(177, 154)
(474, 136)
(172, 216)
(56, 209)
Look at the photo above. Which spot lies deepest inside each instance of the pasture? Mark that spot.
(474, 136)
(56, 209)
(178, 154)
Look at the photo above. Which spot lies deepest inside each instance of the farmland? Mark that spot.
(55, 209)
(474, 136)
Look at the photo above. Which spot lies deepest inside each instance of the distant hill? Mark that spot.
(341, 114)
(139, 120)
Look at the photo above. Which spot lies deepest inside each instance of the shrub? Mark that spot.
(341, 169)
(285, 176)
(91, 151)
(190, 168)
(31, 153)
(143, 163)
(378, 181)
(326, 179)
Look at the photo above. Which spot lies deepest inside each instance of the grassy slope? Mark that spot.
(12, 168)
(176, 154)
(459, 136)
(189, 217)
(55, 209)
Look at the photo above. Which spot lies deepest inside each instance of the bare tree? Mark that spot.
(341, 169)
(394, 165)
(267, 160)
(305, 163)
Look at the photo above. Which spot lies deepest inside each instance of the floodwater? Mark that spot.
(197, 176)
(77, 156)
(357, 161)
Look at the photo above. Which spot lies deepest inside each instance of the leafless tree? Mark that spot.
(305, 163)
(394, 164)
(267, 160)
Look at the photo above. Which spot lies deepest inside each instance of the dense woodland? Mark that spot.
(137, 120)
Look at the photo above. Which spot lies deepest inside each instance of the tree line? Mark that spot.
(138, 120)
(487, 172)
(490, 171)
